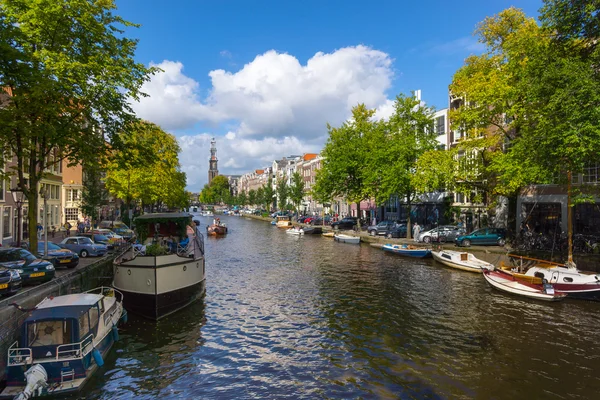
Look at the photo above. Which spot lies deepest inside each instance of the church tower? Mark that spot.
(212, 166)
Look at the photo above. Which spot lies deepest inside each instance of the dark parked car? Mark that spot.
(119, 228)
(345, 223)
(382, 227)
(99, 239)
(58, 256)
(397, 231)
(10, 282)
(493, 236)
(32, 269)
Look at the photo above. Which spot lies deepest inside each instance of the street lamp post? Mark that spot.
(17, 195)
(44, 194)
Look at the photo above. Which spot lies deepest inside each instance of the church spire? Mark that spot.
(212, 164)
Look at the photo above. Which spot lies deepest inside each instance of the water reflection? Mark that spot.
(306, 317)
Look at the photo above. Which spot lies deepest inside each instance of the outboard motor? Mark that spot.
(36, 378)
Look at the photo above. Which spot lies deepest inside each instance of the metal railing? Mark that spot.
(19, 356)
(24, 355)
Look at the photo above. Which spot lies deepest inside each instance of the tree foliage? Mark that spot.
(68, 76)
(147, 168)
(217, 192)
(94, 193)
(296, 190)
(252, 197)
(283, 193)
(268, 194)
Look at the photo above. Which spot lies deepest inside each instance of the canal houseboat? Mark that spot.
(461, 260)
(63, 341)
(407, 250)
(166, 271)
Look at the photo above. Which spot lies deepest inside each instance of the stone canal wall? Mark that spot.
(96, 274)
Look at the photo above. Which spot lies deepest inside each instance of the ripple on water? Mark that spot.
(306, 317)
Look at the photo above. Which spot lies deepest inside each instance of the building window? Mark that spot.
(72, 214)
(440, 125)
(6, 222)
(590, 173)
(72, 194)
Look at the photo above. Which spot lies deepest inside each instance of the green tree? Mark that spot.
(218, 191)
(406, 136)
(269, 194)
(70, 72)
(252, 197)
(260, 197)
(283, 193)
(146, 169)
(242, 199)
(343, 170)
(296, 190)
(206, 195)
(94, 193)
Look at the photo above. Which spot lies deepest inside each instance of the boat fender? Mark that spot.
(124, 317)
(97, 357)
(115, 333)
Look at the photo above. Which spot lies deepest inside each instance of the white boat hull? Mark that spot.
(461, 260)
(507, 283)
(347, 239)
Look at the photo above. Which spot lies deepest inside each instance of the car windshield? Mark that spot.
(85, 241)
(100, 238)
(51, 246)
(6, 256)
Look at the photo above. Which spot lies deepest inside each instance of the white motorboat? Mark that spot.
(166, 272)
(295, 231)
(63, 341)
(461, 260)
(347, 239)
(506, 282)
(575, 283)
(207, 213)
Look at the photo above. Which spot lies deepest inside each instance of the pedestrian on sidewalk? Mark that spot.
(53, 231)
(416, 231)
(67, 229)
(40, 228)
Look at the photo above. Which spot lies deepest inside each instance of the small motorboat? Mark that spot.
(575, 283)
(312, 230)
(216, 230)
(295, 231)
(506, 282)
(328, 234)
(284, 221)
(207, 213)
(63, 341)
(461, 260)
(274, 223)
(407, 250)
(347, 239)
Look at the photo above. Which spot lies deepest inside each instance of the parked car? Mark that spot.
(381, 228)
(490, 236)
(108, 233)
(98, 238)
(396, 231)
(10, 281)
(119, 228)
(83, 246)
(445, 232)
(345, 223)
(58, 256)
(32, 269)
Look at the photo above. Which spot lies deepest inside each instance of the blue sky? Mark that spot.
(262, 101)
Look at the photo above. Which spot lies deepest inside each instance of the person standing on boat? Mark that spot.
(416, 231)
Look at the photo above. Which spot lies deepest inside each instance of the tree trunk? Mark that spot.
(32, 219)
(358, 215)
(511, 219)
(408, 220)
(570, 263)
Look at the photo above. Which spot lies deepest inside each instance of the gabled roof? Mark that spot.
(309, 156)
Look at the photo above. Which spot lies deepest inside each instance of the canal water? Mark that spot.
(306, 317)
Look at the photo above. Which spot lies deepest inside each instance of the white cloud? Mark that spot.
(385, 110)
(272, 107)
(274, 95)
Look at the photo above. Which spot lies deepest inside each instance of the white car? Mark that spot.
(448, 232)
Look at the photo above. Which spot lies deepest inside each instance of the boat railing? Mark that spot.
(75, 350)
(19, 356)
(108, 292)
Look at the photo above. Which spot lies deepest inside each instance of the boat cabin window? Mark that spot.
(539, 275)
(567, 279)
(84, 325)
(88, 322)
(48, 333)
(94, 317)
(447, 256)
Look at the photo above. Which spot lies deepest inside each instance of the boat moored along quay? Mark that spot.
(508, 283)
(407, 250)
(167, 272)
(62, 343)
(461, 260)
